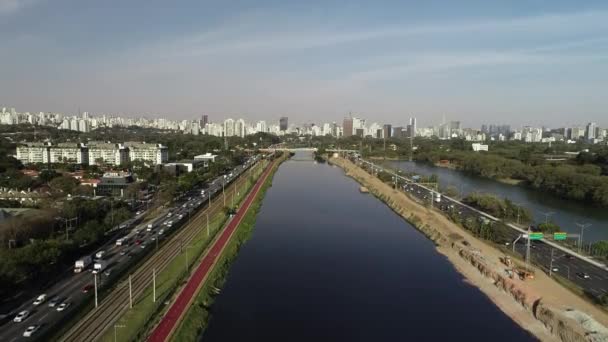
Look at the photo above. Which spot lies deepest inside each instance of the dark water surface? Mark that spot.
(566, 213)
(327, 263)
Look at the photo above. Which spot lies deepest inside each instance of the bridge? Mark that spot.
(283, 147)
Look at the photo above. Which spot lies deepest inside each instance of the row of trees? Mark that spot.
(498, 207)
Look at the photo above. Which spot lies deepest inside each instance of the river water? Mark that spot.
(327, 263)
(566, 213)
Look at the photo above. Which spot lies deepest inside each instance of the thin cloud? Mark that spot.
(12, 6)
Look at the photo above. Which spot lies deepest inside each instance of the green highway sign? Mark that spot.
(560, 236)
(536, 236)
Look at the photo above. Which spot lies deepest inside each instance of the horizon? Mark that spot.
(535, 64)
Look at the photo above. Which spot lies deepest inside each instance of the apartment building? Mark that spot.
(149, 153)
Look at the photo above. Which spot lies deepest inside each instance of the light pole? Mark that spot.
(154, 285)
(117, 326)
(547, 215)
(207, 223)
(95, 282)
(223, 192)
(551, 264)
(582, 226)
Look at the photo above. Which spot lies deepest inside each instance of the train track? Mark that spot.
(95, 323)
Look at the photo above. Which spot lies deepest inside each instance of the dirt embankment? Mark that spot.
(541, 306)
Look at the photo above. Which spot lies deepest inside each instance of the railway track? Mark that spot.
(94, 324)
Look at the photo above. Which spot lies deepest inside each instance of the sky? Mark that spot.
(527, 62)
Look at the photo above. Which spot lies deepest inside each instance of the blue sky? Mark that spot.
(514, 62)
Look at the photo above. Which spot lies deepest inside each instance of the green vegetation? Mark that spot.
(497, 207)
(549, 228)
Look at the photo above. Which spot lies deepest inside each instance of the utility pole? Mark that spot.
(547, 215)
(551, 264)
(223, 192)
(130, 293)
(95, 281)
(154, 285)
(207, 223)
(582, 226)
(528, 248)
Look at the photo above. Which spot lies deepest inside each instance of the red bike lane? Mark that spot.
(171, 319)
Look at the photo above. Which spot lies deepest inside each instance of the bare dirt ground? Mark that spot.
(551, 293)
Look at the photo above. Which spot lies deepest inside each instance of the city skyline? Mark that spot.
(530, 63)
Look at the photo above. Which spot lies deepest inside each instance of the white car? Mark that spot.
(21, 316)
(30, 330)
(40, 299)
(63, 306)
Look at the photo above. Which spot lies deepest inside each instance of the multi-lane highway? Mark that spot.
(135, 242)
(588, 274)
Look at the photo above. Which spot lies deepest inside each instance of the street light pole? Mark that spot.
(95, 281)
(551, 264)
(582, 226)
(207, 223)
(547, 215)
(528, 248)
(223, 192)
(154, 285)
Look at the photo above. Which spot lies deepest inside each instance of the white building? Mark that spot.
(239, 128)
(479, 147)
(33, 153)
(107, 153)
(151, 153)
(228, 127)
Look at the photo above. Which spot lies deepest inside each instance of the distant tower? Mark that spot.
(283, 123)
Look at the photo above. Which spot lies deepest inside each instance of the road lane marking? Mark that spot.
(43, 317)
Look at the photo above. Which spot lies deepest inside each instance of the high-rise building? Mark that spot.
(347, 127)
(204, 120)
(228, 127)
(590, 132)
(387, 131)
(413, 127)
(283, 123)
(239, 128)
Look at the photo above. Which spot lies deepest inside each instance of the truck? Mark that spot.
(82, 263)
(99, 255)
(150, 227)
(99, 266)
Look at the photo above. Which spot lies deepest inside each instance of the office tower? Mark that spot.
(590, 131)
(283, 123)
(347, 127)
(387, 131)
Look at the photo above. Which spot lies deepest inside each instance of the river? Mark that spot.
(566, 213)
(327, 263)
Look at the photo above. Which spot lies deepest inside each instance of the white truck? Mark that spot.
(99, 266)
(150, 227)
(82, 263)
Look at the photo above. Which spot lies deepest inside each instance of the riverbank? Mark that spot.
(541, 306)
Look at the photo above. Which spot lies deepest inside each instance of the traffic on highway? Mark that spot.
(585, 273)
(104, 267)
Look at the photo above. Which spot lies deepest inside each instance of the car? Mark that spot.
(54, 301)
(161, 232)
(107, 273)
(583, 275)
(123, 252)
(30, 330)
(142, 246)
(87, 288)
(63, 306)
(40, 299)
(555, 269)
(153, 238)
(21, 316)
(138, 242)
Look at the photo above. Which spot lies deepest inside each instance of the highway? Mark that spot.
(588, 274)
(71, 290)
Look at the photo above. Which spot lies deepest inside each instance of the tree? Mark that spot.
(549, 228)
(65, 184)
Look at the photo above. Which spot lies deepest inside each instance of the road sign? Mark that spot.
(560, 236)
(536, 236)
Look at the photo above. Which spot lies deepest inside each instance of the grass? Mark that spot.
(139, 319)
(198, 315)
